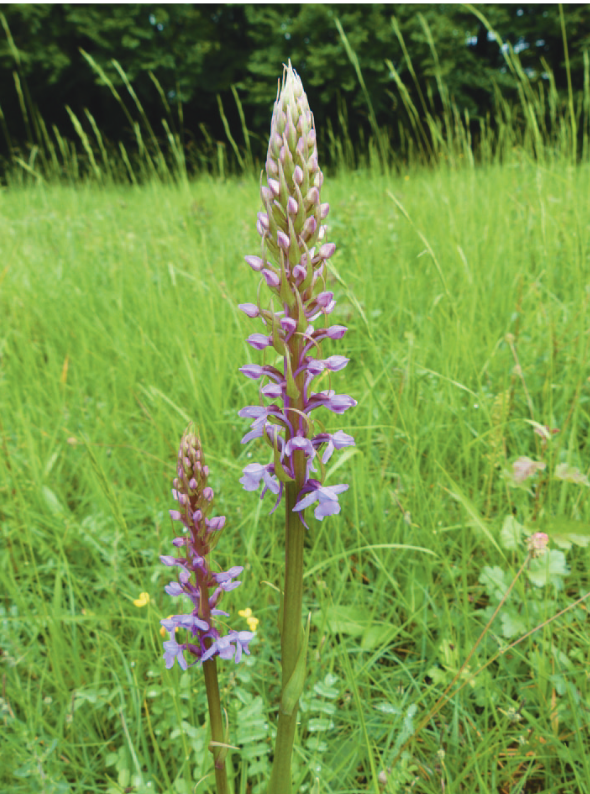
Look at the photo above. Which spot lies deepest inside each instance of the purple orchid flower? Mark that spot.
(293, 267)
(195, 576)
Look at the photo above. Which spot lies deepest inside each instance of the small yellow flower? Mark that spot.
(250, 619)
(407, 177)
(163, 631)
(143, 600)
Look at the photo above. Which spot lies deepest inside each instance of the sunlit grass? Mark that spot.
(120, 323)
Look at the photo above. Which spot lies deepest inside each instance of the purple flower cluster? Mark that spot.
(293, 266)
(196, 579)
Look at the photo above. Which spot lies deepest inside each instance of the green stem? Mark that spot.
(214, 703)
(280, 781)
(291, 634)
(216, 720)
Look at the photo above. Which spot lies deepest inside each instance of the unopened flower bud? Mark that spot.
(250, 309)
(327, 250)
(313, 196)
(255, 262)
(283, 241)
(310, 226)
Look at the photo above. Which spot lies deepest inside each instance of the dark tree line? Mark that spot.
(198, 52)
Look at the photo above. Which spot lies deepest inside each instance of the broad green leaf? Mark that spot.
(343, 619)
(377, 634)
(511, 533)
(565, 531)
(494, 580)
(513, 624)
(326, 687)
(549, 568)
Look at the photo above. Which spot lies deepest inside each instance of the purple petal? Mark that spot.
(259, 341)
(273, 391)
(341, 403)
(253, 371)
(326, 494)
(256, 431)
(300, 443)
(313, 195)
(223, 576)
(252, 476)
(306, 501)
(338, 403)
(168, 560)
(271, 482)
(327, 250)
(333, 332)
(337, 440)
(272, 280)
(283, 240)
(250, 309)
(216, 524)
(263, 220)
(336, 363)
(172, 650)
(310, 226)
(327, 508)
(253, 412)
(289, 325)
(324, 298)
(255, 262)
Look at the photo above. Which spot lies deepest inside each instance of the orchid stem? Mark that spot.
(216, 721)
(280, 782)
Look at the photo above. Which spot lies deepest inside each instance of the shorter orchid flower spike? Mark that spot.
(197, 580)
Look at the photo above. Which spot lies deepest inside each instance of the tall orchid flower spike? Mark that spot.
(203, 588)
(293, 265)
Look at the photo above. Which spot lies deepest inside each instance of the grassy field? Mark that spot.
(466, 295)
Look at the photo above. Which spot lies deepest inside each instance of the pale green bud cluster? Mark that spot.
(291, 225)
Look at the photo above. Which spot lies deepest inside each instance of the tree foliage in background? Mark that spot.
(198, 52)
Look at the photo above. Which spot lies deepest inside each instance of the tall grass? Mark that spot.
(465, 290)
(120, 324)
(541, 124)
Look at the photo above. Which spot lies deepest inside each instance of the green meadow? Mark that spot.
(447, 654)
(465, 291)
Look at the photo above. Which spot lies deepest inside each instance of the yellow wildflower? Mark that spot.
(250, 619)
(143, 600)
